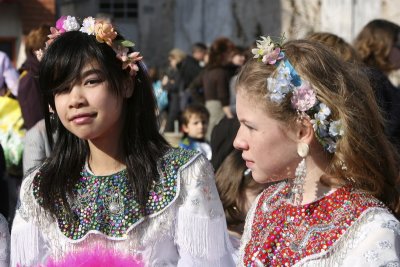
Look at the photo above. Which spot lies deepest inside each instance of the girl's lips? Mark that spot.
(81, 119)
(249, 164)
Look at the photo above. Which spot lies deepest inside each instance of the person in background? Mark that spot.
(216, 81)
(239, 57)
(309, 122)
(29, 96)
(194, 121)
(338, 45)
(161, 97)
(172, 83)
(8, 75)
(112, 182)
(378, 44)
(36, 147)
(190, 68)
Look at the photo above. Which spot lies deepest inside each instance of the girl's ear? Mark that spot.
(129, 88)
(304, 131)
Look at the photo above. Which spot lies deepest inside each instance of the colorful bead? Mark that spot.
(283, 234)
(107, 204)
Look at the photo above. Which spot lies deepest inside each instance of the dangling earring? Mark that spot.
(300, 175)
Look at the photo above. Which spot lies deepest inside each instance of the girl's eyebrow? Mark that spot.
(90, 72)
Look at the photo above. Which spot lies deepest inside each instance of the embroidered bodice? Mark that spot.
(182, 217)
(106, 204)
(281, 234)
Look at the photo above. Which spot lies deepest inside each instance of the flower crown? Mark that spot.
(104, 33)
(303, 98)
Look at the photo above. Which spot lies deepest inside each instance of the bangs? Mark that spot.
(66, 57)
(65, 70)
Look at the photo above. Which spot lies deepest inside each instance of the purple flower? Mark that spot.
(303, 97)
(273, 56)
(60, 24)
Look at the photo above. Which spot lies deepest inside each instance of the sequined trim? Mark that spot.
(107, 205)
(284, 235)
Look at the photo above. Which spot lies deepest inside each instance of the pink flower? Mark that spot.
(53, 35)
(303, 97)
(60, 24)
(104, 32)
(271, 58)
(128, 61)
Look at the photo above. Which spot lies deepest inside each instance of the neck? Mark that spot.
(313, 188)
(105, 158)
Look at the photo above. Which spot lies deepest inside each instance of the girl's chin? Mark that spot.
(265, 179)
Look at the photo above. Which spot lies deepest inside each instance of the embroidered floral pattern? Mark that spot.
(106, 204)
(371, 256)
(283, 234)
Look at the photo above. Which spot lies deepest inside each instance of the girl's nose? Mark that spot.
(77, 98)
(239, 142)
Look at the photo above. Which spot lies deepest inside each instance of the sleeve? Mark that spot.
(4, 242)
(201, 231)
(27, 243)
(34, 147)
(377, 242)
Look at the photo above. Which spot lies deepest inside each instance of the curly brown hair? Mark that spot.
(369, 157)
(36, 39)
(375, 41)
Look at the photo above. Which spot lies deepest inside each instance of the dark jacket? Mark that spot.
(29, 95)
(388, 99)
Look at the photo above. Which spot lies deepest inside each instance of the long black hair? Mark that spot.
(143, 144)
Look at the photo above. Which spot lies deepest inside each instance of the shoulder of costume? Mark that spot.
(28, 207)
(178, 158)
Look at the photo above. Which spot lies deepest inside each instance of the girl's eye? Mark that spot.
(249, 127)
(92, 81)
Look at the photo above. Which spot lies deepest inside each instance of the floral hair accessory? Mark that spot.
(286, 81)
(104, 33)
(268, 51)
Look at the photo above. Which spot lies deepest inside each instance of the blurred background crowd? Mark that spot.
(193, 50)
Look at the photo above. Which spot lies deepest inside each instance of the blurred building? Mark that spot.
(18, 17)
(157, 26)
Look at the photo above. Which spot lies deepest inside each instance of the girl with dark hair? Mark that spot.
(310, 123)
(112, 182)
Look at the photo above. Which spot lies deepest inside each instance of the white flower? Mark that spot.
(264, 46)
(70, 24)
(319, 126)
(88, 25)
(323, 112)
(335, 128)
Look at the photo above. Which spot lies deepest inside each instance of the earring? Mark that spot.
(300, 175)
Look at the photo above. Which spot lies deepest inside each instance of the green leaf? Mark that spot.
(127, 43)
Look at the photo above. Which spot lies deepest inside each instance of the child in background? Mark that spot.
(112, 182)
(195, 119)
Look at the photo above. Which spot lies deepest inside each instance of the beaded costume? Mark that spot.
(345, 228)
(183, 222)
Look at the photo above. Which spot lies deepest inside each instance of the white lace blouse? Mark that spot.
(190, 231)
(4, 242)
